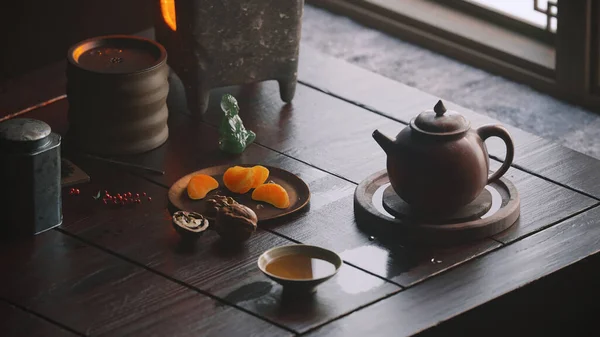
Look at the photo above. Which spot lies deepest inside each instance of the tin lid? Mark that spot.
(440, 121)
(24, 134)
(117, 54)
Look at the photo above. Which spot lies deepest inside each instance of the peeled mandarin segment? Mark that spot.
(273, 194)
(239, 179)
(261, 174)
(199, 186)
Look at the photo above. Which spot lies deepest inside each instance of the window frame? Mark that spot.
(575, 76)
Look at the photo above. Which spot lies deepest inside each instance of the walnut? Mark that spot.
(236, 222)
(189, 224)
(214, 203)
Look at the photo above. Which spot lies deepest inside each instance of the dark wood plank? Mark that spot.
(476, 282)
(33, 88)
(93, 292)
(18, 323)
(542, 204)
(401, 102)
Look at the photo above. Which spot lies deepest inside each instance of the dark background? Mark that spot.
(34, 33)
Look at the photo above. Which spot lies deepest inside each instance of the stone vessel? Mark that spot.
(230, 42)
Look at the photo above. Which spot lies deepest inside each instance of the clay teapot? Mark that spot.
(438, 163)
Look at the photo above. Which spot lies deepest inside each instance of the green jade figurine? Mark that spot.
(233, 136)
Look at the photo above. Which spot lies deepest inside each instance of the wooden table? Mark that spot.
(123, 271)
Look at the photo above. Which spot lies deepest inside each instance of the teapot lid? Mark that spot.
(440, 121)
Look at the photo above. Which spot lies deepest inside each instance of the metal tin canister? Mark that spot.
(117, 88)
(30, 177)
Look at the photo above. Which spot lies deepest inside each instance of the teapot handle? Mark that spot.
(499, 131)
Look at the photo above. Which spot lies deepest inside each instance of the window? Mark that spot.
(551, 45)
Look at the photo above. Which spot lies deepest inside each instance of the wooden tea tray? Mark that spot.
(372, 216)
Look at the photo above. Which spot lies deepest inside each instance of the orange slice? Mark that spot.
(199, 186)
(273, 194)
(239, 179)
(261, 174)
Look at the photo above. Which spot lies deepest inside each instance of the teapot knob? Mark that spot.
(439, 109)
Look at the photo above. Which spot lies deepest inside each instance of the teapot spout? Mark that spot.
(385, 142)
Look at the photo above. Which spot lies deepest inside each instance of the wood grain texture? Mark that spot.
(143, 233)
(542, 204)
(95, 293)
(33, 88)
(478, 281)
(229, 273)
(16, 322)
(400, 102)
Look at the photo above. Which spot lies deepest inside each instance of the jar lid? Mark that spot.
(24, 134)
(440, 121)
(117, 55)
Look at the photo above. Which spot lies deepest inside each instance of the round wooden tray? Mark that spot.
(371, 216)
(297, 190)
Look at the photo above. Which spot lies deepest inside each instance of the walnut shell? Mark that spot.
(189, 224)
(214, 203)
(236, 222)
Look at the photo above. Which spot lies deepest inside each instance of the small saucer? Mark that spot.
(293, 285)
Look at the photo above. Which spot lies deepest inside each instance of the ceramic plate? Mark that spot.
(296, 188)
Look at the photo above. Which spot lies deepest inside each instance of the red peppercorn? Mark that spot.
(137, 195)
(129, 194)
(105, 202)
(115, 201)
(144, 194)
(149, 198)
(77, 191)
(138, 201)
